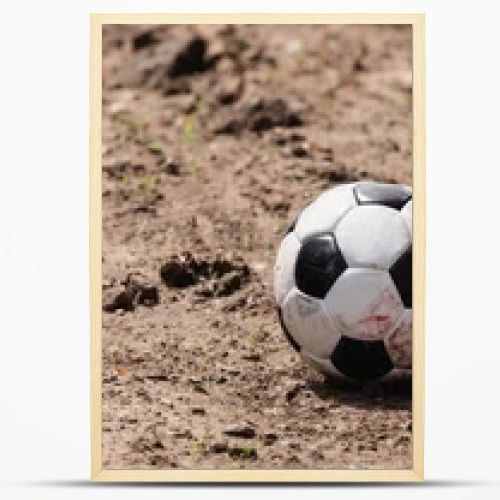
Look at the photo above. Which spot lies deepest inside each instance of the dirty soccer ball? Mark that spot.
(343, 281)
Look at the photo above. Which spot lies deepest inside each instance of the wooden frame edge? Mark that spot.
(95, 218)
(257, 18)
(419, 222)
(259, 476)
(98, 474)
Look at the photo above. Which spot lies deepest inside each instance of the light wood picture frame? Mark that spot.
(98, 473)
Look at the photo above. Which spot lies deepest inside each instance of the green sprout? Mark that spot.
(248, 452)
(196, 448)
(190, 133)
(155, 147)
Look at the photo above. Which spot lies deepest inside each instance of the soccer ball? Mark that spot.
(343, 281)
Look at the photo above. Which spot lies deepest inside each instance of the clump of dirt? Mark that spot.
(133, 291)
(190, 59)
(259, 114)
(334, 173)
(219, 277)
(144, 39)
(240, 430)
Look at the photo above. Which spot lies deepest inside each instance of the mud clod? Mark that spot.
(259, 115)
(180, 272)
(148, 296)
(144, 39)
(300, 150)
(133, 291)
(216, 278)
(270, 438)
(190, 59)
(123, 300)
(240, 430)
(218, 448)
(293, 391)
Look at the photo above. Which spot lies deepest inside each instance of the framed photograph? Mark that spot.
(257, 189)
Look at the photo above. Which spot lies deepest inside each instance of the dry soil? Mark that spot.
(214, 139)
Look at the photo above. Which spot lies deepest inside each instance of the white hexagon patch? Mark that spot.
(323, 214)
(364, 303)
(372, 236)
(309, 324)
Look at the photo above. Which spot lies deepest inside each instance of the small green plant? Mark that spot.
(190, 134)
(195, 448)
(154, 146)
(243, 453)
(126, 180)
(258, 336)
(248, 452)
(202, 105)
(150, 181)
(137, 126)
(189, 130)
(139, 129)
(247, 241)
(254, 338)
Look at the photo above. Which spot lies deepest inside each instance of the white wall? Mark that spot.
(44, 440)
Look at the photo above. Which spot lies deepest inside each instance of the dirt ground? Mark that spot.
(214, 139)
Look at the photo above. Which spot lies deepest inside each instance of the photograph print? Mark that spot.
(257, 235)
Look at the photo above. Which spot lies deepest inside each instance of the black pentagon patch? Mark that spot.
(401, 273)
(288, 335)
(319, 263)
(361, 359)
(375, 193)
